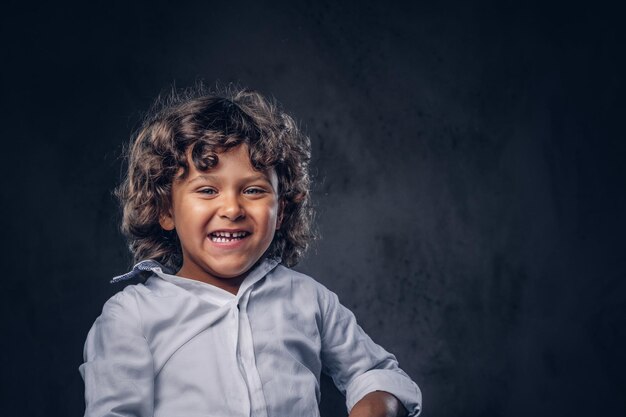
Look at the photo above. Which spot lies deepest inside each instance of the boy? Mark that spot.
(216, 208)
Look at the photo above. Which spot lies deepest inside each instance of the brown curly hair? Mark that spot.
(207, 123)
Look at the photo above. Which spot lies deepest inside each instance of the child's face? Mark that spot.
(225, 218)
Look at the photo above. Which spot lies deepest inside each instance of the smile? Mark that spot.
(224, 237)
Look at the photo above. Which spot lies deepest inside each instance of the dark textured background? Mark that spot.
(469, 165)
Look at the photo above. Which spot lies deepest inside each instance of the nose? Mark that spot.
(231, 207)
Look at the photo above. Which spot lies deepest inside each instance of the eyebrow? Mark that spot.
(209, 177)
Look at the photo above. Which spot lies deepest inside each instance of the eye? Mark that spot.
(254, 190)
(207, 191)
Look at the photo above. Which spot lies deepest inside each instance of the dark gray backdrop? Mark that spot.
(468, 159)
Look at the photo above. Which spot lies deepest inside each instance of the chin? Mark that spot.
(230, 273)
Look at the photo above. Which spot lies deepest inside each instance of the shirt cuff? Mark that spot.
(393, 382)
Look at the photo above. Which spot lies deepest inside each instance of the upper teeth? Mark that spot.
(229, 234)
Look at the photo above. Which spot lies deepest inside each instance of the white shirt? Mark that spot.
(173, 346)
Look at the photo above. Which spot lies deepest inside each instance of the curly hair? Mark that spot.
(202, 124)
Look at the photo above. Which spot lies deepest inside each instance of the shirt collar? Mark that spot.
(149, 266)
(141, 269)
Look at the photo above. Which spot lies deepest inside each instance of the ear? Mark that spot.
(167, 221)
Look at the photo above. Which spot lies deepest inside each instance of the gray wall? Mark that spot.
(469, 183)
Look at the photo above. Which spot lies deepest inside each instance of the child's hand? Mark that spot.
(378, 404)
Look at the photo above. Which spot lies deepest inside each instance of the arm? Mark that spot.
(367, 374)
(118, 369)
(378, 404)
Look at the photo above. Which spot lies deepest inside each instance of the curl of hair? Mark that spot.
(206, 123)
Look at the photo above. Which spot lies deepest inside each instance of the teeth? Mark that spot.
(229, 234)
(222, 237)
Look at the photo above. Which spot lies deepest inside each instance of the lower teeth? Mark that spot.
(224, 239)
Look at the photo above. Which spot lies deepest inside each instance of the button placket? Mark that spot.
(242, 397)
(257, 397)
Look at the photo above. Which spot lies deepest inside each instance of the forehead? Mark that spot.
(231, 163)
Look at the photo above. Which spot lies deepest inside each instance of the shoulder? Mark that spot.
(127, 304)
(122, 305)
(132, 296)
(300, 284)
(287, 276)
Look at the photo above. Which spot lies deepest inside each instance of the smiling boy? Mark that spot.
(217, 208)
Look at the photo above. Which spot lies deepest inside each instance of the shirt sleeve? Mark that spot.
(118, 370)
(359, 366)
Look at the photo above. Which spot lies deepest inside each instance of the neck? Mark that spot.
(227, 284)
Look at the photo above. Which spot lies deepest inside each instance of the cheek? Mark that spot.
(193, 210)
(268, 216)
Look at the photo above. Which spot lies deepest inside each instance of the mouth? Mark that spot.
(226, 237)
